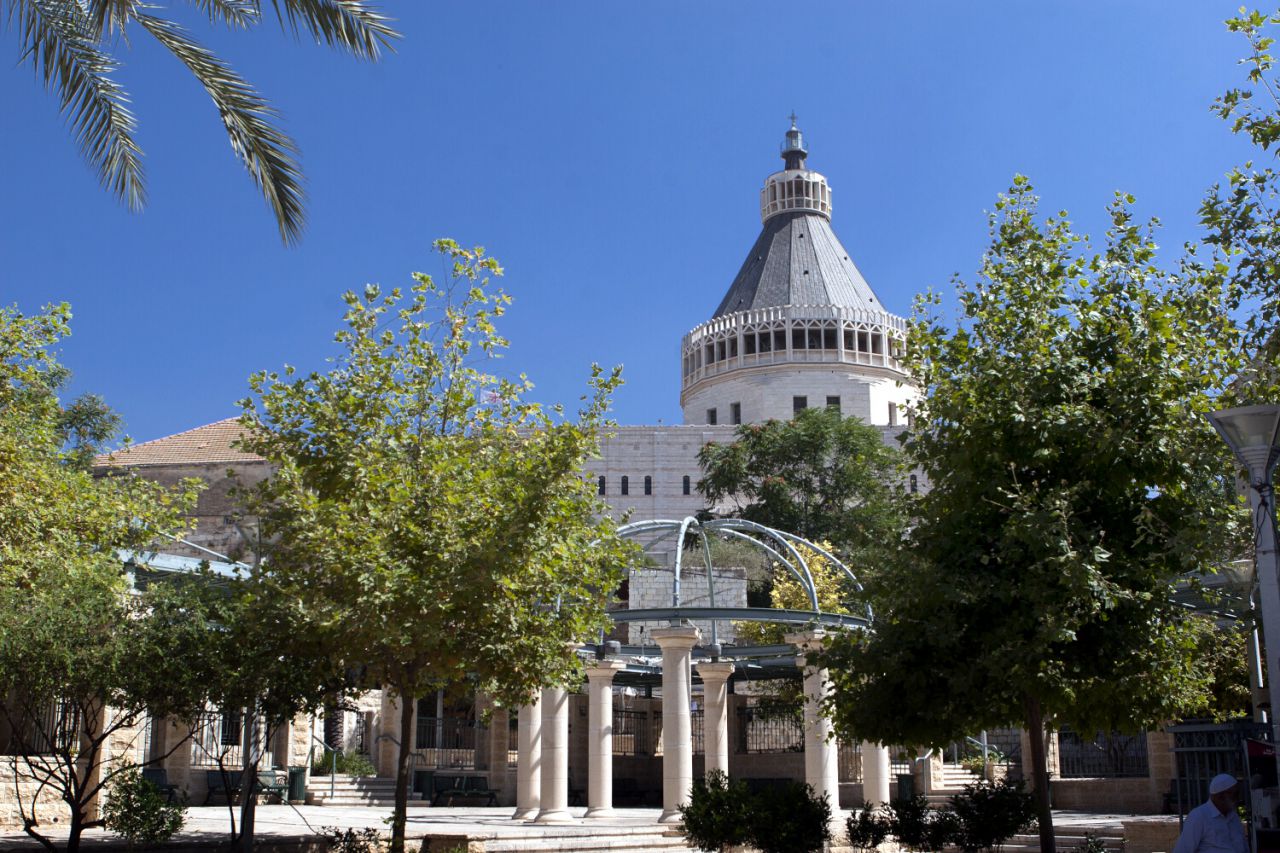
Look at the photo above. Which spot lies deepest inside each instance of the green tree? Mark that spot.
(73, 640)
(1074, 481)
(1242, 217)
(69, 43)
(820, 476)
(435, 522)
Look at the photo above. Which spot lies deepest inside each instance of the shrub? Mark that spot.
(790, 819)
(991, 814)
(868, 828)
(909, 822)
(1092, 843)
(138, 812)
(350, 763)
(718, 814)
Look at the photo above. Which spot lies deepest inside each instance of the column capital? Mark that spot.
(714, 671)
(604, 670)
(676, 637)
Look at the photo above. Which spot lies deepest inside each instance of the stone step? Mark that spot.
(633, 841)
(351, 791)
(1065, 842)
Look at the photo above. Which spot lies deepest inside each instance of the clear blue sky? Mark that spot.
(609, 154)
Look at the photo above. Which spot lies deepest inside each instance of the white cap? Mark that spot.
(1222, 782)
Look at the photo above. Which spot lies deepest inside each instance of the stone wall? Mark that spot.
(1112, 796)
(16, 786)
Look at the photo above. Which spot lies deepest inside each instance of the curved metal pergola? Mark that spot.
(785, 549)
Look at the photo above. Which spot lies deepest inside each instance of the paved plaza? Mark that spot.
(487, 824)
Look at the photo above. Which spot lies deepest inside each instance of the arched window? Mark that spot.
(915, 484)
(648, 485)
(626, 485)
(600, 486)
(685, 484)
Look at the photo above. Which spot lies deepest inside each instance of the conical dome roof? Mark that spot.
(797, 260)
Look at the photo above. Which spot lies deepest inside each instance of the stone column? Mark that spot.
(554, 801)
(875, 773)
(677, 644)
(529, 762)
(600, 737)
(821, 753)
(715, 718)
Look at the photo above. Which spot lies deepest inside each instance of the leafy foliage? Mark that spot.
(1074, 481)
(989, 814)
(431, 523)
(137, 811)
(351, 840)
(1242, 217)
(69, 44)
(820, 476)
(722, 814)
(719, 813)
(868, 828)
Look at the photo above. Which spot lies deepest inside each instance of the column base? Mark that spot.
(525, 814)
(553, 816)
(600, 811)
(671, 816)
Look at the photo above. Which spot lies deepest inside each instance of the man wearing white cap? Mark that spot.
(1214, 826)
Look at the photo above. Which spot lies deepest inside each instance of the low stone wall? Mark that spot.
(1150, 835)
(50, 809)
(1123, 796)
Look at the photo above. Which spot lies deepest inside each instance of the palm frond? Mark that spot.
(240, 14)
(266, 151)
(349, 24)
(108, 17)
(58, 39)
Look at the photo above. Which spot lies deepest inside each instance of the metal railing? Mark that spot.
(635, 732)
(773, 731)
(447, 742)
(1111, 755)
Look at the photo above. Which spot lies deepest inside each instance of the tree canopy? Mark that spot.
(432, 522)
(1074, 481)
(820, 476)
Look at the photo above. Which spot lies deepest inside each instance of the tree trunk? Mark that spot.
(248, 779)
(1040, 773)
(408, 710)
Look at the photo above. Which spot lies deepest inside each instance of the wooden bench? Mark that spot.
(445, 788)
(216, 783)
(158, 777)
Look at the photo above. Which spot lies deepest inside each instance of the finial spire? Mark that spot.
(793, 119)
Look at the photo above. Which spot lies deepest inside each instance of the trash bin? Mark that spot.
(906, 786)
(297, 785)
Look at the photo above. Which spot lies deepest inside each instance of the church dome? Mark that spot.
(799, 325)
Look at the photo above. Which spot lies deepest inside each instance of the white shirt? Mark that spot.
(1207, 830)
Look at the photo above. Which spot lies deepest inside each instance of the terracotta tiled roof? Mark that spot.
(209, 443)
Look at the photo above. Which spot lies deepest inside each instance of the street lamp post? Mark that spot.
(1253, 434)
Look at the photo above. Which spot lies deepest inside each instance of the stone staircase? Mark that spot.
(631, 839)
(352, 791)
(1066, 841)
(954, 778)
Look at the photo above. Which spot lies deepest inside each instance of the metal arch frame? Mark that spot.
(738, 529)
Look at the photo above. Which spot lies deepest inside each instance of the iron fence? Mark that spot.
(778, 730)
(446, 742)
(635, 732)
(849, 758)
(697, 730)
(1202, 751)
(1111, 756)
(217, 739)
(41, 730)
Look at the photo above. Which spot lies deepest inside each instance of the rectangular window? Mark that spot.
(735, 413)
(915, 484)
(779, 340)
(626, 485)
(600, 486)
(829, 337)
(733, 347)
(797, 338)
(749, 345)
(232, 721)
(711, 416)
(848, 339)
(799, 404)
(834, 403)
(648, 485)
(684, 485)
(893, 414)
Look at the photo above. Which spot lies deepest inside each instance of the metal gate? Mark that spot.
(1202, 751)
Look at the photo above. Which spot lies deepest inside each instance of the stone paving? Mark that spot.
(476, 823)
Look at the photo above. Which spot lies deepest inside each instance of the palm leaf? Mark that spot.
(241, 14)
(266, 151)
(58, 38)
(349, 24)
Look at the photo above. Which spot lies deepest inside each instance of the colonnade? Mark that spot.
(542, 769)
